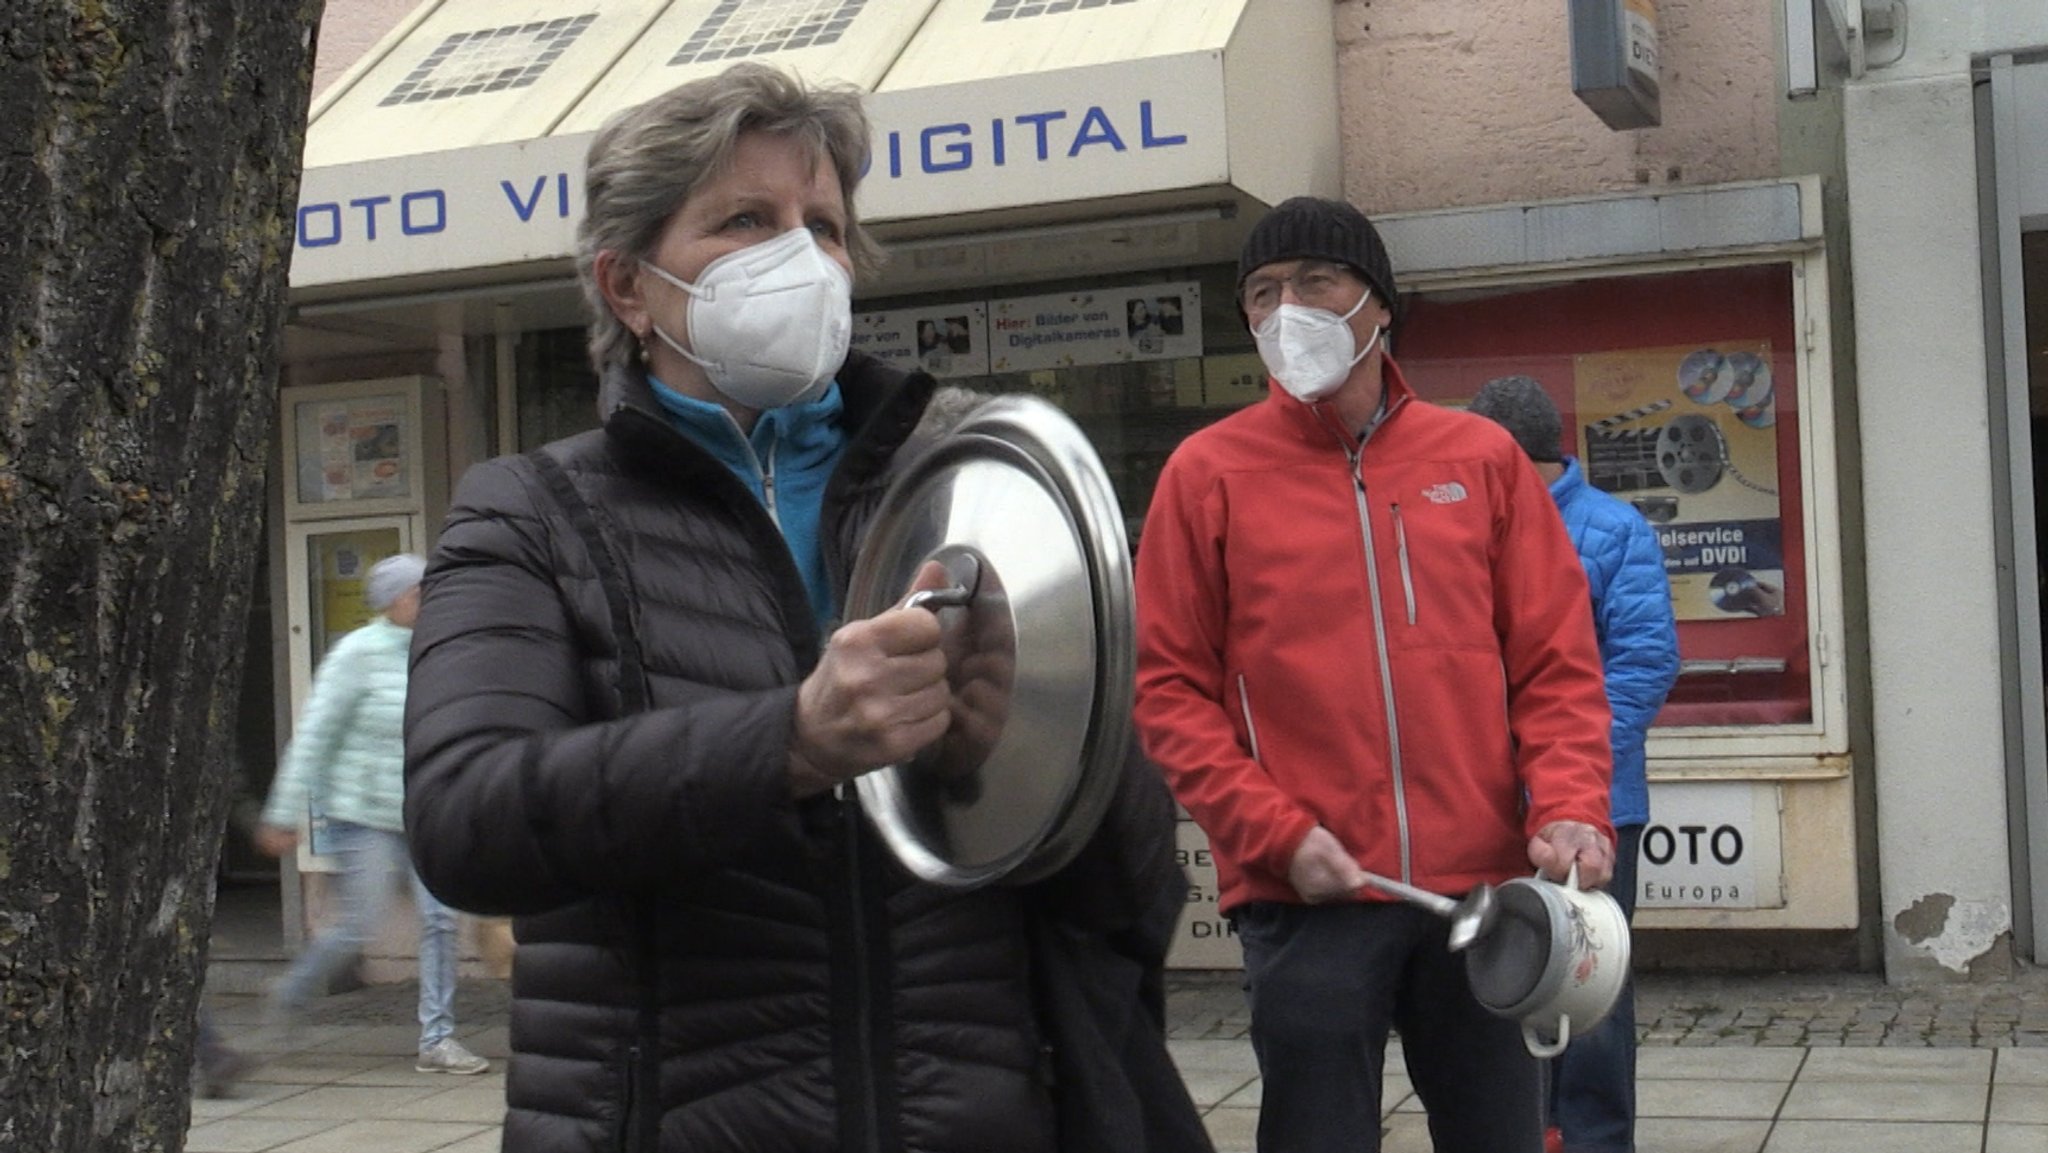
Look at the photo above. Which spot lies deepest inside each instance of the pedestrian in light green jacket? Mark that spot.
(348, 757)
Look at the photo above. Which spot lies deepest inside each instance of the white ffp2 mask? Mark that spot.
(768, 324)
(1311, 350)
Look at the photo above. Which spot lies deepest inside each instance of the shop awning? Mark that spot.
(452, 153)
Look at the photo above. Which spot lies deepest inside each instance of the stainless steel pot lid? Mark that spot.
(1039, 639)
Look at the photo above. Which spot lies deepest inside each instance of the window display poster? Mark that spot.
(1099, 326)
(341, 564)
(352, 449)
(947, 340)
(1688, 435)
(1233, 380)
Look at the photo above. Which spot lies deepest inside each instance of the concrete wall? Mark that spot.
(349, 29)
(1462, 102)
(1910, 132)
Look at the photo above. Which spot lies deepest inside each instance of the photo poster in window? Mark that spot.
(1100, 326)
(1688, 435)
(360, 447)
(947, 340)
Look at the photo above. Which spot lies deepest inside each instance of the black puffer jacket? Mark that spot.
(705, 964)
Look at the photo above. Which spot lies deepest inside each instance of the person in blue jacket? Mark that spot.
(1592, 1093)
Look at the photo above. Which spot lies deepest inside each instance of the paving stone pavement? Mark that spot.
(1811, 1010)
(1687, 1009)
(1731, 1063)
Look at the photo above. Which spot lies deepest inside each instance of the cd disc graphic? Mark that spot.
(1758, 416)
(1749, 380)
(1689, 453)
(1703, 376)
(1731, 589)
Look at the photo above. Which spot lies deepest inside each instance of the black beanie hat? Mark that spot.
(1309, 227)
(1519, 404)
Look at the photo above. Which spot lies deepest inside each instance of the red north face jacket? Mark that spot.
(1393, 640)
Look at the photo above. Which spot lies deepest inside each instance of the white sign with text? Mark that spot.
(946, 340)
(1099, 326)
(1712, 845)
(1139, 126)
(1204, 940)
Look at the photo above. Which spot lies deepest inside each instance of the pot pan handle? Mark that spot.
(946, 598)
(1544, 1050)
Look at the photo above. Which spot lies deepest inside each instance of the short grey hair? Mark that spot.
(647, 161)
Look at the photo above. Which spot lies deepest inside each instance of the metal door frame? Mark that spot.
(2000, 141)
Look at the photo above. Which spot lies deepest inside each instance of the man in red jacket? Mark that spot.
(1364, 643)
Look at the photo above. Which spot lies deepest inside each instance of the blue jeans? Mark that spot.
(372, 860)
(1327, 982)
(1593, 1085)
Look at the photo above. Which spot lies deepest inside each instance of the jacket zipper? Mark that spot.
(1407, 578)
(1244, 696)
(637, 1120)
(623, 1141)
(1379, 623)
(763, 468)
(768, 481)
(766, 474)
(871, 1136)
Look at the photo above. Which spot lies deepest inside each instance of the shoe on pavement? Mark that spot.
(219, 1068)
(448, 1056)
(279, 1026)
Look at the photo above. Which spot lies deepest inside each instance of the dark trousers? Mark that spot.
(1593, 1085)
(1326, 982)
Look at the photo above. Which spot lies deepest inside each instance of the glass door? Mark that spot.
(327, 563)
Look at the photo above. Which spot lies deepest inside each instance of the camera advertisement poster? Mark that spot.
(1688, 435)
(1100, 326)
(947, 341)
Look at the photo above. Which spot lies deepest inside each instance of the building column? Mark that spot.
(1945, 883)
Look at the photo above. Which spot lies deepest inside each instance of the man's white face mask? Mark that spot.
(768, 324)
(1311, 350)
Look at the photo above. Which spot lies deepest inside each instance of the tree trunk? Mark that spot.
(149, 164)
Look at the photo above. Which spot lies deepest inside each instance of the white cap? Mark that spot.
(390, 577)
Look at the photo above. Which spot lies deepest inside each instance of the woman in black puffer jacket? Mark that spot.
(630, 718)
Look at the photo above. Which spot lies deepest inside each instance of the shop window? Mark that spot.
(557, 391)
(1138, 363)
(1680, 394)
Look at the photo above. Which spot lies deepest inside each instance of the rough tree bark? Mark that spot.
(149, 163)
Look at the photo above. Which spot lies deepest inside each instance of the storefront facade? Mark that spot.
(1070, 230)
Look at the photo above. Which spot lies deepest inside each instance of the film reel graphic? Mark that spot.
(1688, 453)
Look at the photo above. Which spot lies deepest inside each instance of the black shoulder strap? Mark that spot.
(611, 576)
(637, 911)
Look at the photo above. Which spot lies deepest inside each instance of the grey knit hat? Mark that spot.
(1309, 227)
(1519, 404)
(390, 577)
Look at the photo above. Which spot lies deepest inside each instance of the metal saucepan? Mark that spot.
(1555, 960)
